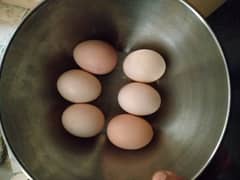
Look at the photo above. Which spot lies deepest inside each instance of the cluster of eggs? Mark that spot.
(127, 131)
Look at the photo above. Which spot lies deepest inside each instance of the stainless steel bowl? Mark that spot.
(195, 90)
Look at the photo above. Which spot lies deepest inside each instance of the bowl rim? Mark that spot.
(228, 87)
(23, 167)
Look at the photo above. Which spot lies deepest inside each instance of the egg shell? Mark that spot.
(129, 132)
(94, 56)
(83, 120)
(78, 86)
(139, 99)
(144, 65)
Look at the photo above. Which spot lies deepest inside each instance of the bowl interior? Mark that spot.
(195, 89)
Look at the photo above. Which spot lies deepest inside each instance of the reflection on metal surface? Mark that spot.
(19, 176)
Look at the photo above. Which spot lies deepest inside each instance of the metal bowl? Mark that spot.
(195, 91)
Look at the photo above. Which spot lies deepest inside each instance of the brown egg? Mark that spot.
(139, 99)
(129, 132)
(83, 120)
(78, 86)
(95, 56)
(144, 65)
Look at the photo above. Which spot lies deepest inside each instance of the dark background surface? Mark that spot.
(225, 22)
